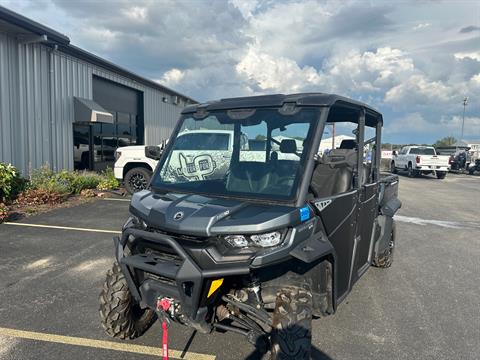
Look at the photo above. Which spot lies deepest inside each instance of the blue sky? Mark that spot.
(413, 60)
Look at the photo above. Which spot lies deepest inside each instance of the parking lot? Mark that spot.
(426, 306)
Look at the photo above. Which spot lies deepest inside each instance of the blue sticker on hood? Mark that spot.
(304, 213)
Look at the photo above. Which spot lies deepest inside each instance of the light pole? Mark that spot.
(465, 103)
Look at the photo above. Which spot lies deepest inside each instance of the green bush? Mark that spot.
(108, 181)
(45, 179)
(64, 182)
(11, 182)
(84, 181)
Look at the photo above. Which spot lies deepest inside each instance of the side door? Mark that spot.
(339, 216)
(337, 197)
(400, 161)
(369, 137)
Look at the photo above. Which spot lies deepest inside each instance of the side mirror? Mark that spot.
(394, 153)
(153, 152)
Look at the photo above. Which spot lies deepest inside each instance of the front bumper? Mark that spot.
(118, 172)
(180, 277)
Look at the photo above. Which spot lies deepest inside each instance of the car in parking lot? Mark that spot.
(420, 160)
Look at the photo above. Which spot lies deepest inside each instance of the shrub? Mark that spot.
(45, 179)
(109, 181)
(32, 197)
(64, 182)
(3, 211)
(11, 182)
(85, 180)
(88, 193)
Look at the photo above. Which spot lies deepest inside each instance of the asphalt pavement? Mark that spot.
(426, 306)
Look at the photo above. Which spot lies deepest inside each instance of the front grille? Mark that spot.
(159, 278)
(162, 255)
(180, 237)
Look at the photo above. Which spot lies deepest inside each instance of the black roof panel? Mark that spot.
(277, 100)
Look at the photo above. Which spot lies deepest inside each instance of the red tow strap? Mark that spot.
(165, 341)
(164, 304)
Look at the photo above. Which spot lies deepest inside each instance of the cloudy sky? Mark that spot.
(413, 60)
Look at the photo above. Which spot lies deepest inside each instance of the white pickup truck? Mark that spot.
(135, 168)
(420, 160)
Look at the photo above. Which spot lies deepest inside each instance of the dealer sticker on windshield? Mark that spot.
(304, 213)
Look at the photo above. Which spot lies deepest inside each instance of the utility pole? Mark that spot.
(465, 103)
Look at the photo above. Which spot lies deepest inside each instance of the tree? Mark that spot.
(446, 141)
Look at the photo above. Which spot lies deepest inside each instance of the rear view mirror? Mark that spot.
(153, 152)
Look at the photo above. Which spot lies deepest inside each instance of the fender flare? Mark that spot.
(314, 248)
(391, 207)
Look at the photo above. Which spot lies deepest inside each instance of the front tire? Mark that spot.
(292, 325)
(137, 179)
(120, 315)
(385, 259)
(393, 169)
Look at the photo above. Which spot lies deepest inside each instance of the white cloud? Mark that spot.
(136, 13)
(275, 74)
(172, 77)
(416, 124)
(421, 26)
(475, 55)
(246, 7)
(418, 89)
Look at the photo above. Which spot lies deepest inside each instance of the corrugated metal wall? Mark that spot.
(8, 98)
(37, 86)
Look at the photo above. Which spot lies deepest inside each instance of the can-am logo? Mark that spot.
(178, 216)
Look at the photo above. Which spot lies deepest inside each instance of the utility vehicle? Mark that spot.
(255, 241)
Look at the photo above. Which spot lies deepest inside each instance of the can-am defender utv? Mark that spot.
(247, 228)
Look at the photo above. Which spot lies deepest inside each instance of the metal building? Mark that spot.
(63, 106)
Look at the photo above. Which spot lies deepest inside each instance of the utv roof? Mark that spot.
(277, 100)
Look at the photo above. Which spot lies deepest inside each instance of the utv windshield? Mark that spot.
(241, 153)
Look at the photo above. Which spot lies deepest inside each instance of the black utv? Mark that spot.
(248, 228)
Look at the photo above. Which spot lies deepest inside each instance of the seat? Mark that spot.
(348, 144)
(330, 179)
(249, 177)
(349, 156)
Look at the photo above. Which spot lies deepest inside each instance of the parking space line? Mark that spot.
(63, 227)
(113, 199)
(101, 344)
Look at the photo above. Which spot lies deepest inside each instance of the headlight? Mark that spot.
(237, 240)
(268, 239)
(262, 240)
(117, 154)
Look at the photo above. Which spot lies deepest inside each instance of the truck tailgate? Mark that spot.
(433, 160)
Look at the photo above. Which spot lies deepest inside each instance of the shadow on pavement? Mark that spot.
(260, 348)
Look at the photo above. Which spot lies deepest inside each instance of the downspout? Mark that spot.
(50, 94)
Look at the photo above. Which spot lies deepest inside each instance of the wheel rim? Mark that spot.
(138, 182)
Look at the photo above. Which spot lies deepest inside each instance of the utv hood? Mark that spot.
(204, 216)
